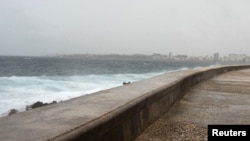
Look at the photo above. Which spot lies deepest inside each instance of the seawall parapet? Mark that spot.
(120, 113)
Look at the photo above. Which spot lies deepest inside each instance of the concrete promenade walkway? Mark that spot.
(224, 99)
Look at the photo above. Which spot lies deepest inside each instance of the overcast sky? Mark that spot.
(191, 27)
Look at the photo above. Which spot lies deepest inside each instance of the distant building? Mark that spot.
(247, 59)
(159, 56)
(181, 57)
(170, 55)
(237, 57)
(216, 57)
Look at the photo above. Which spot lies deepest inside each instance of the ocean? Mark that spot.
(26, 80)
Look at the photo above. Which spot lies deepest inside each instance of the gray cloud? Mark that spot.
(195, 27)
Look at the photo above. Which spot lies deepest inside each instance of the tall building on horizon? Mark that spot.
(170, 55)
(216, 56)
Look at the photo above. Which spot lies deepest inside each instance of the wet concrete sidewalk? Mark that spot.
(225, 99)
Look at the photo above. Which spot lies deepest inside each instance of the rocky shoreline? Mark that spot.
(32, 106)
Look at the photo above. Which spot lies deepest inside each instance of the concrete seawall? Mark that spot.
(118, 114)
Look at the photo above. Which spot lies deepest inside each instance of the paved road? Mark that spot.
(225, 99)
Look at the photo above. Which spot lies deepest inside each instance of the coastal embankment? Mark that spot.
(120, 113)
(222, 100)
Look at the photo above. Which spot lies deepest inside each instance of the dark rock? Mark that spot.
(39, 104)
(125, 83)
(12, 111)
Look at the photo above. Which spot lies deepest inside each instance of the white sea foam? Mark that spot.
(18, 92)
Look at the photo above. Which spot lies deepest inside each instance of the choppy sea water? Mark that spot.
(26, 80)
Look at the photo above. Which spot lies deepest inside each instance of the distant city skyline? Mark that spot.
(193, 28)
(179, 57)
(171, 54)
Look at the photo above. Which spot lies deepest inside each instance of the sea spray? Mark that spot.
(24, 81)
(18, 92)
